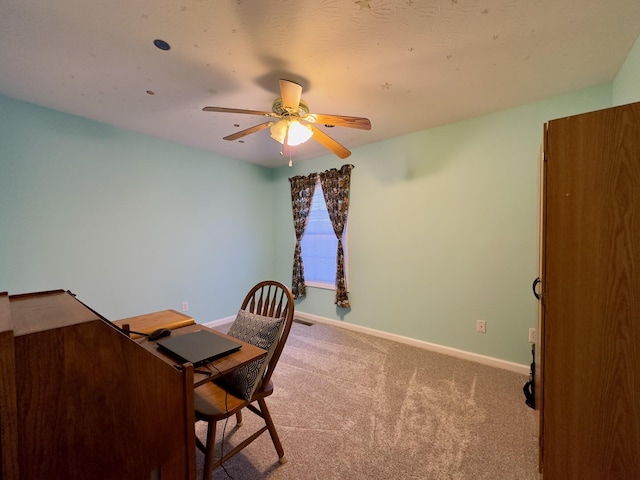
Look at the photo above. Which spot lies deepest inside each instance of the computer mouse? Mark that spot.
(159, 333)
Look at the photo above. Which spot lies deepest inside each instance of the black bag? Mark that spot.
(529, 388)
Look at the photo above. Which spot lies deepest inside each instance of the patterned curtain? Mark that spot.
(335, 187)
(301, 195)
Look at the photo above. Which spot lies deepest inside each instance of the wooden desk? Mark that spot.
(218, 367)
(181, 324)
(149, 322)
(8, 396)
(81, 400)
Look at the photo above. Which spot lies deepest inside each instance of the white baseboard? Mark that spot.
(220, 321)
(454, 352)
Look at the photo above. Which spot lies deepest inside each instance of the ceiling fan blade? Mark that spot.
(240, 110)
(328, 142)
(254, 129)
(290, 93)
(339, 121)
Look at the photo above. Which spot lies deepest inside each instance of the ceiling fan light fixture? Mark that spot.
(297, 132)
(279, 131)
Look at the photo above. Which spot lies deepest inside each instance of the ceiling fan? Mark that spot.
(292, 123)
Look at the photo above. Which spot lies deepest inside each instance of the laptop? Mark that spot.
(198, 347)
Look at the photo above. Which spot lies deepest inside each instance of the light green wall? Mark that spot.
(443, 222)
(626, 87)
(443, 229)
(130, 223)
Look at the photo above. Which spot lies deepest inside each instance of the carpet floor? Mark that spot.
(353, 406)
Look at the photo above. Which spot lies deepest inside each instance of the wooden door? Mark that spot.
(538, 344)
(591, 297)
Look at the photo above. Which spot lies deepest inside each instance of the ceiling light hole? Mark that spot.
(161, 44)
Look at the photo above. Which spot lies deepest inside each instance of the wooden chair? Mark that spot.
(215, 401)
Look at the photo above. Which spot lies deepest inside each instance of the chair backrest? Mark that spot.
(271, 299)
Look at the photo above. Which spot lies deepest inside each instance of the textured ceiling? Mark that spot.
(407, 65)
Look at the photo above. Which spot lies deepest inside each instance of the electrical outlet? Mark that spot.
(481, 326)
(185, 306)
(533, 335)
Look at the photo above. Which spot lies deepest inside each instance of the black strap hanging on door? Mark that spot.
(535, 284)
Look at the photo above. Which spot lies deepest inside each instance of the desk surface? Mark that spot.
(181, 325)
(149, 322)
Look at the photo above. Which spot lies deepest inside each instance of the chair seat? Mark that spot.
(214, 403)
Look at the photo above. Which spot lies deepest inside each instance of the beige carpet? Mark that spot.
(353, 406)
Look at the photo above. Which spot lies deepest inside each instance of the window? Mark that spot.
(319, 245)
(336, 184)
